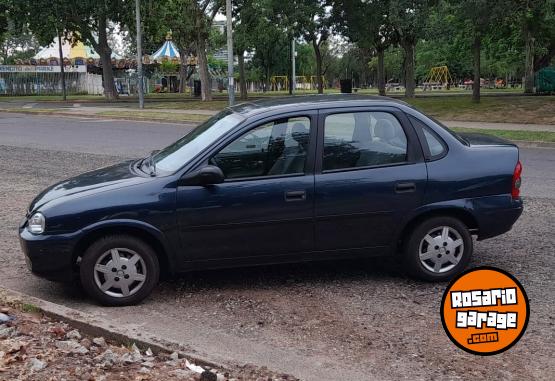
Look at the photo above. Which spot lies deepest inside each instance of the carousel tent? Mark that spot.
(168, 51)
(70, 51)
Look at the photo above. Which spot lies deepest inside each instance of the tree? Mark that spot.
(87, 22)
(477, 19)
(3, 19)
(269, 46)
(537, 19)
(247, 16)
(17, 44)
(203, 13)
(310, 19)
(367, 24)
(409, 20)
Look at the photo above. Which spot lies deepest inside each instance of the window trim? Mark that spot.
(414, 151)
(309, 163)
(424, 142)
(366, 167)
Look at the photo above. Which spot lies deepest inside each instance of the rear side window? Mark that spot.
(363, 139)
(433, 143)
(435, 146)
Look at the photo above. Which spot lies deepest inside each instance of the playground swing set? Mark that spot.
(438, 78)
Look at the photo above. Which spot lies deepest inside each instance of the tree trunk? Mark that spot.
(205, 88)
(381, 71)
(105, 53)
(529, 64)
(476, 46)
(318, 54)
(182, 71)
(410, 84)
(242, 79)
(268, 84)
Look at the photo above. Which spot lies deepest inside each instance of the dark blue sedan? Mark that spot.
(286, 180)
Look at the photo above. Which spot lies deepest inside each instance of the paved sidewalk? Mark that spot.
(500, 126)
(81, 110)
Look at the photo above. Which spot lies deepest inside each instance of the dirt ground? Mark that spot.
(363, 319)
(35, 347)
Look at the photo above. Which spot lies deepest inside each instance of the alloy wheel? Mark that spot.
(120, 272)
(441, 249)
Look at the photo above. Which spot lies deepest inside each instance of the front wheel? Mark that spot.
(438, 249)
(119, 270)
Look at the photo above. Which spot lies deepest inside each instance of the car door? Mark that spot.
(265, 206)
(369, 173)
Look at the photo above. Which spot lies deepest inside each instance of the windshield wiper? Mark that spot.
(149, 160)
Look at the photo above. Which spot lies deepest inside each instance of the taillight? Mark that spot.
(515, 191)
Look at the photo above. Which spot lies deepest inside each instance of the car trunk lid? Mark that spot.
(476, 139)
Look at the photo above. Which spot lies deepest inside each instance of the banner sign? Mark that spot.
(42, 69)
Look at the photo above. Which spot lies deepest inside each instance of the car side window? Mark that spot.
(434, 143)
(276, 148)
(363, 139)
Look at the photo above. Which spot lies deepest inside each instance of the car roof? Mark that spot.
(306, 102)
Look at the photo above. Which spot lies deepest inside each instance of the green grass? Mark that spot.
(530, 136)
(46, 98)
(145, 115)
(214, 105)
(506, 109)
(31, 308)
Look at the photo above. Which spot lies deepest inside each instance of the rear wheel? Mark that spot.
(438, 249)
(119, 270)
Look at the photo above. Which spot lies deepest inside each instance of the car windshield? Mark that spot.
(176, 155)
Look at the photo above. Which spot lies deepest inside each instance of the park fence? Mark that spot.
(48, 83)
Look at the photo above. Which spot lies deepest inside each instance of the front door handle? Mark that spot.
(405, 187)
(295, 196)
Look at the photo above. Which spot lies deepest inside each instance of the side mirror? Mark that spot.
(207, 175)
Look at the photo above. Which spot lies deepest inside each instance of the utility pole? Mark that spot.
(231, 84)
(293, 69)
(62, 71)
(139, 54)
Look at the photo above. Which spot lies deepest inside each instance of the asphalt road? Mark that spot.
(323, 321)
(88, 135)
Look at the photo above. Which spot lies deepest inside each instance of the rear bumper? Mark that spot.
(49, 256)
(497, 215)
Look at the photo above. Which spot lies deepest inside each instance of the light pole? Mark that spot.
(293, 71)
(230, 85)
(139, 55)
(62, 71)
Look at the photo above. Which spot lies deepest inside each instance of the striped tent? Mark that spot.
(168, 50)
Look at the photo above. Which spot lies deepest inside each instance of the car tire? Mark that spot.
(119, 270)
(437, 249)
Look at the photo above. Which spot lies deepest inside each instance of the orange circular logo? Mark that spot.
(485, 311)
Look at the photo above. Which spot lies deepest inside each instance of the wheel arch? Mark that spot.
(462, 214)
(140, 230)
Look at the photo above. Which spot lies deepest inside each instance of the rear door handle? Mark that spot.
(295, 196)
(405, 187)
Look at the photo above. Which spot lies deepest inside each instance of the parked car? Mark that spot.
(279, 180)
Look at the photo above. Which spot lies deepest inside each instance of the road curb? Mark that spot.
(528, 144)
(95, 327)
(94, 116)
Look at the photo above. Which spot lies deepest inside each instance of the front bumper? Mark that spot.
(49, 256)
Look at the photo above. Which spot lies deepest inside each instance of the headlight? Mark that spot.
(36, 223)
